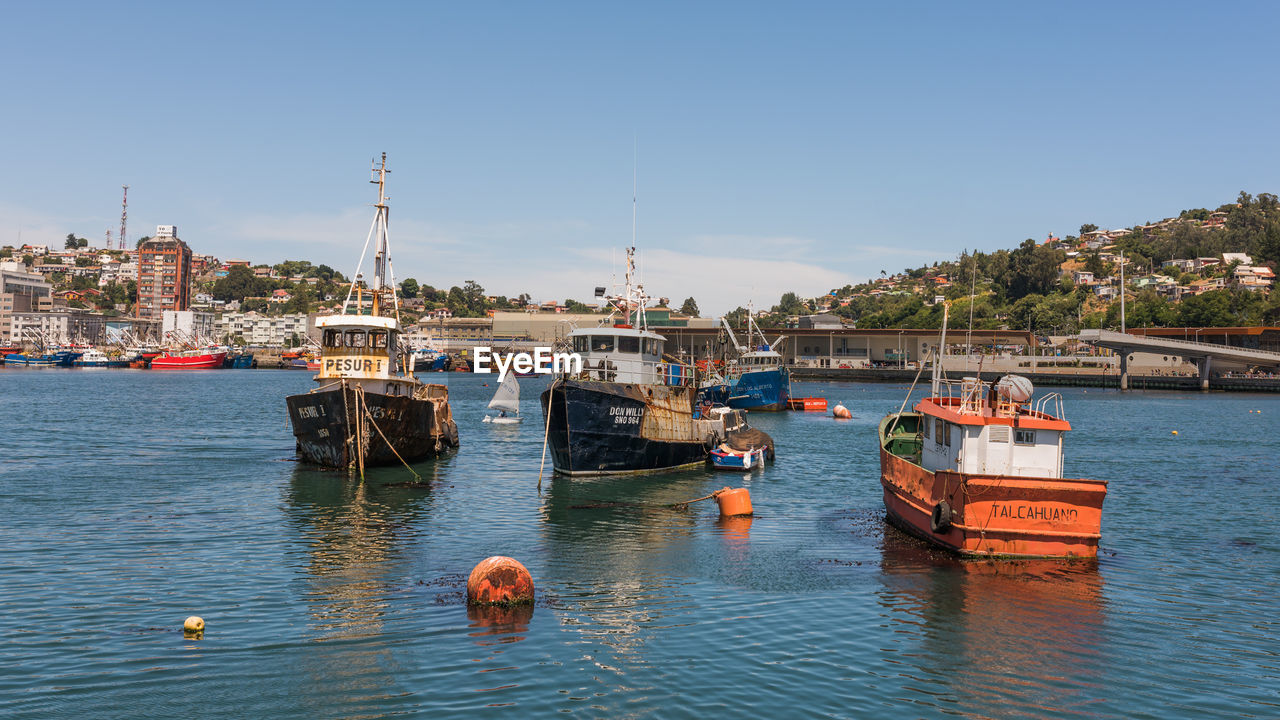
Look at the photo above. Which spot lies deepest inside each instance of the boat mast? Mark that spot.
(937, 356)
(380, 222)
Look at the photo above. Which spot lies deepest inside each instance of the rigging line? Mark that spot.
(919, 370)
(360, 264)
(372, 422)
(546, 433)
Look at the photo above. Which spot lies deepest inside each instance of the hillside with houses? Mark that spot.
(1202, 268)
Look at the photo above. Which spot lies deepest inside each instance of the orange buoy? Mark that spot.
(841, 412)
(499, 580)
(734, 501)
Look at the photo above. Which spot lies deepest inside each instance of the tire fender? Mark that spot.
(940, 520)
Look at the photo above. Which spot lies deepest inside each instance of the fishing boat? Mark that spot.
(757, 379)
(96, 358)
(976, 468)
(629, 408)
(30, 360)
(506, 400)
(426, 359)
(369, 408)
(199, 358)
(237, 360)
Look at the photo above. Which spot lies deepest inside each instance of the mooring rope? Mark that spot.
(546, 433)
(363, 405)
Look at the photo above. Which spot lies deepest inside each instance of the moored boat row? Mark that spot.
(975, 468)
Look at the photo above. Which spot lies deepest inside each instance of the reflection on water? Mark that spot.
(1005, 638)
(499, 623)
(351, 531)
(616, 540)
(353, 535)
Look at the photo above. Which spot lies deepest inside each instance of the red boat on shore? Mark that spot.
(197, 359)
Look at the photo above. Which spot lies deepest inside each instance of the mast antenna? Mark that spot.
(124, 214)
(634, 156)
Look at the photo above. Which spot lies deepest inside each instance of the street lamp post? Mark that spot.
(900, 365)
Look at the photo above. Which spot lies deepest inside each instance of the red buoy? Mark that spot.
(499, 580)
(734, 501)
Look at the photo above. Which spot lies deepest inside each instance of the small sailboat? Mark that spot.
(506, 400)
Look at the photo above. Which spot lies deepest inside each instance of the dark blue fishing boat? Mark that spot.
(629, 408)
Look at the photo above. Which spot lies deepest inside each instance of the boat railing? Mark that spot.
(967, 396)
(614, 369)
(1048, 405)
(971, 396)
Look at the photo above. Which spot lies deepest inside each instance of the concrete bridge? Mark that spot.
(1204, 355)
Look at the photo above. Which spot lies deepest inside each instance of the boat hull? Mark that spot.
(760, 390)
(325, 426)
(740, 462)
(42, 361)
(995, 515)
(601, 428)
(188, 362)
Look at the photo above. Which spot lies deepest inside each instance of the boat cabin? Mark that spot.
(625, 354)
(976, 427)
(762, 358)
(357, 347)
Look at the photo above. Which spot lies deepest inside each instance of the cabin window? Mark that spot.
(378, 339)
(628, 344)
(602, 343)
(946, 427)
(581, 343)
(333, 338)
(355, 338)
(938, 431)
(926, 428)
(1025, 437)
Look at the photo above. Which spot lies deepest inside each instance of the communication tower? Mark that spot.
(124, 214)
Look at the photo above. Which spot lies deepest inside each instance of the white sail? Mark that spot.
(507, 398)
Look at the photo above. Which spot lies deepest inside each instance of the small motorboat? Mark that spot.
(808, 404)
(726, 458)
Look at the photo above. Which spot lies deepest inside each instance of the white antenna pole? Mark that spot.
(634, 156)
(942, 349)
(973, 287)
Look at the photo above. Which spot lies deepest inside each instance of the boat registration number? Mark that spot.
(626, 415)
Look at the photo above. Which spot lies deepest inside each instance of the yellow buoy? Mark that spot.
(1175, 432)
(193, 625)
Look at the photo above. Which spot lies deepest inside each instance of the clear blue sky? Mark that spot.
(781, 146)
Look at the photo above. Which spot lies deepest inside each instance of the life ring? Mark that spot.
(940, 520)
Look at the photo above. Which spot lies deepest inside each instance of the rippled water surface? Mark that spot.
(132, 499)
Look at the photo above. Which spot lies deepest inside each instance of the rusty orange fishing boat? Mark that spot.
(976, 468)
